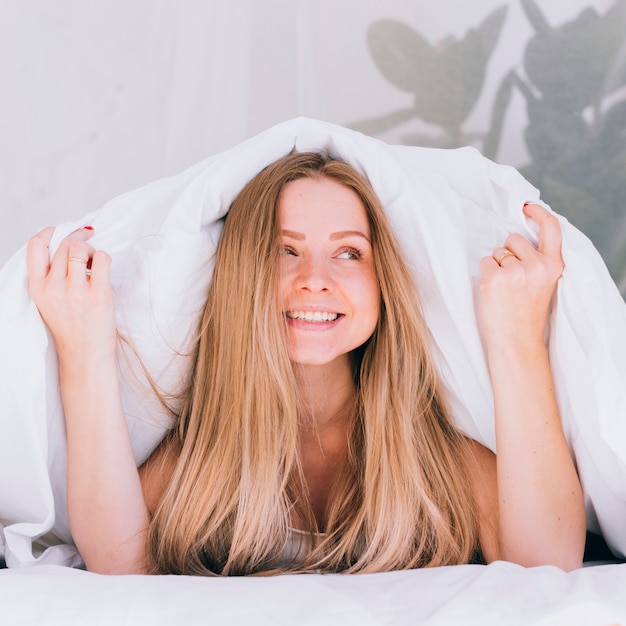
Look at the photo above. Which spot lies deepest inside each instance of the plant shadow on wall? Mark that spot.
(574, 87)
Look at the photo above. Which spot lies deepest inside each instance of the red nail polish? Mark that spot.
(88, 227)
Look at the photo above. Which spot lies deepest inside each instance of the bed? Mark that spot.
(498, 594)
(449, 208)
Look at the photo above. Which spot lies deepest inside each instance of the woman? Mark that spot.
(314, 435)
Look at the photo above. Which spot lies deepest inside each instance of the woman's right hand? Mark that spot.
(105, 503)
(73, 294)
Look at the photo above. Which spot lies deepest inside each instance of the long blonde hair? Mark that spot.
(402, 499)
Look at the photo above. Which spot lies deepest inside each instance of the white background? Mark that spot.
(101, 97)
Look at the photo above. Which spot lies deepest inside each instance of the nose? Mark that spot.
(314, 274)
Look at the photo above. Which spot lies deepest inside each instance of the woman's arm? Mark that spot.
(107, 513)
(540, 502)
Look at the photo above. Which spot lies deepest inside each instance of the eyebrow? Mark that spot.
(342, 234)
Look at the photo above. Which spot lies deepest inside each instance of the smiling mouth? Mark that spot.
(312, 316)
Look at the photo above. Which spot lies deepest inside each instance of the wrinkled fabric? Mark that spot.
(449, 208)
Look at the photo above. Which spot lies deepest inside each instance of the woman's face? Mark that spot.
(328, 286)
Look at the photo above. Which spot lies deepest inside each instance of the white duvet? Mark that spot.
(500, 594)
(449, 208)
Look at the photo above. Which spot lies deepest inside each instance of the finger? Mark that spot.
(549, 240)
(59, 265)
(503, 255)
(79, 255)
(488, 263)
(38, 254)
(81, 234)
(520, 246)
(100, 269)
(38, 258)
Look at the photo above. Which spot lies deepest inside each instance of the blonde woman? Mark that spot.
(314, 435)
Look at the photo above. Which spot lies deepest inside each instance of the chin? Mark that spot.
(309, 359)
(304, 361)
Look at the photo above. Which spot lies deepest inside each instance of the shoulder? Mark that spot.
(480, 458)
(482, 476)
(157, 471)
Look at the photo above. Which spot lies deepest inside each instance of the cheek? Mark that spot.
(282, 284)
(375, 314)
(371, 303)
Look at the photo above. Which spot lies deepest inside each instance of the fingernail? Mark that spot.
(88, 227)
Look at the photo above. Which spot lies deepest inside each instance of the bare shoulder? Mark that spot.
(156, 472)
(482, 474)
(481, 459)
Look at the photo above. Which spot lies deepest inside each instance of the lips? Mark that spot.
(312, 316)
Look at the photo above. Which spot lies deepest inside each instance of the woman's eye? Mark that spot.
(351, 253)
(288, 250)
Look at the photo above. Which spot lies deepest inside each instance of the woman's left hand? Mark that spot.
(540, 503)
(518, 282)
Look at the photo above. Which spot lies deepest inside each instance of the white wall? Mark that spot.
(101, 97)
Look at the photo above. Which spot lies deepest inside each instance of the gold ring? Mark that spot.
(77, 260)
(506, 254)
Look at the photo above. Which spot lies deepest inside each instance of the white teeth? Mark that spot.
(312, 316)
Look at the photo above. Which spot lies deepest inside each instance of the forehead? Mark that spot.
(321, 201)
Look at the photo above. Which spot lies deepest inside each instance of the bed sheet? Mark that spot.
(500, 594)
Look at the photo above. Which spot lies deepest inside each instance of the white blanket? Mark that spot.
(449, 208)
